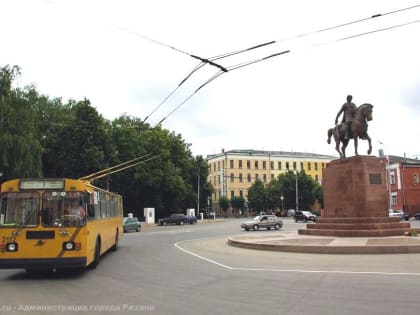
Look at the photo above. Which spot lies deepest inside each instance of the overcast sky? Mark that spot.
(116, 54)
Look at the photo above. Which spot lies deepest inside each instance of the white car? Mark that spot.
(397, 213)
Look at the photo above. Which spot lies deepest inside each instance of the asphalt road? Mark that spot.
(191, 270)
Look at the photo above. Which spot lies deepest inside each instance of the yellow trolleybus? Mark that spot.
(57, 223)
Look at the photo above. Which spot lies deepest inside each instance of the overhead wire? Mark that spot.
(244, 64)
(222, 69)
(211, 60)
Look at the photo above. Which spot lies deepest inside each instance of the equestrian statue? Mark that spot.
(353, 126)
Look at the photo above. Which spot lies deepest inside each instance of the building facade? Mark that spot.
(231, 173)
(404, 184)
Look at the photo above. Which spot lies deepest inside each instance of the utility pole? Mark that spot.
(297, 193)
(198, 192)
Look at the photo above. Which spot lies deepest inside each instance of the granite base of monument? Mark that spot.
(356, 201)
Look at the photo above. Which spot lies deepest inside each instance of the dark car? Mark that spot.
(304, 216)
(191, 219)
(417, 216)
(174, 218)
(131, 224)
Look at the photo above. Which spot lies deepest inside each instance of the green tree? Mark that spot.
(319, 194)
(20, 146)
(258, 196)
(238, 203)
(274, 190)
(305, 190)
(224, 203)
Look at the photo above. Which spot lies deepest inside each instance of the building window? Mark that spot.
(279, 165)
(272, 176)
(256, 176)
(232, 177)
(215, 180)
(248, 164)
(287, 165)
(294, 165)
(240, 163)
(264, 165)
(309, 166)
(241, 193)
(394, 199)
(232, 194)
(316, 166)
(416, 179)
(301, 166)
(264, 178)
(249, 178)
(240, 177)
(323, 165)
(218, 180)
(316, 177)
(272, 165)
(218, 165)
(223, 164)
(231, 163)
(392, 178)
(256, 165)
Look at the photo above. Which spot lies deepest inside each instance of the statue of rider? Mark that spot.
(348, 109)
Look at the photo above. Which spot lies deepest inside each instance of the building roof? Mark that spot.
(251, 152)
(401, 159)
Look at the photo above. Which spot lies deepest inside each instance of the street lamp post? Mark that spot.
(388, 182)
(297, 193)
(282, 198)
(198, 193)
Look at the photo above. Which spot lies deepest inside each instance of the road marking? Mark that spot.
(201, 257)
(332, 271)
(177, 245)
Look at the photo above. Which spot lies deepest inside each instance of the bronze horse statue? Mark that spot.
(358, 129)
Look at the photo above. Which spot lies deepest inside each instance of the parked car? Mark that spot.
(191, 219)
(263, 221)
(304, 216)
(131, 224)
(417, 216)
(398, 213)
(174, 218)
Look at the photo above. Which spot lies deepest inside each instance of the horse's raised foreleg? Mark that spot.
(355, 146)
(330, 132)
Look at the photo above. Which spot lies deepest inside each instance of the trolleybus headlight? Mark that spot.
(68, 246)
(12, 247)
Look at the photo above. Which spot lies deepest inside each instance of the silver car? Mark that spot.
(263, 221)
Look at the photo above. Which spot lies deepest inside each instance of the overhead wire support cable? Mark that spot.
(200, 65)
(215, 76)
(366, 33)
(203, 62)
(349, 23)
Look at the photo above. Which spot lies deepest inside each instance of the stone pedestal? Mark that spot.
(356, 200)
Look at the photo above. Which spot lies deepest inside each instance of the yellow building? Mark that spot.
(231, 173)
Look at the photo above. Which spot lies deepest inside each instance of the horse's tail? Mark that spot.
(330, 132)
